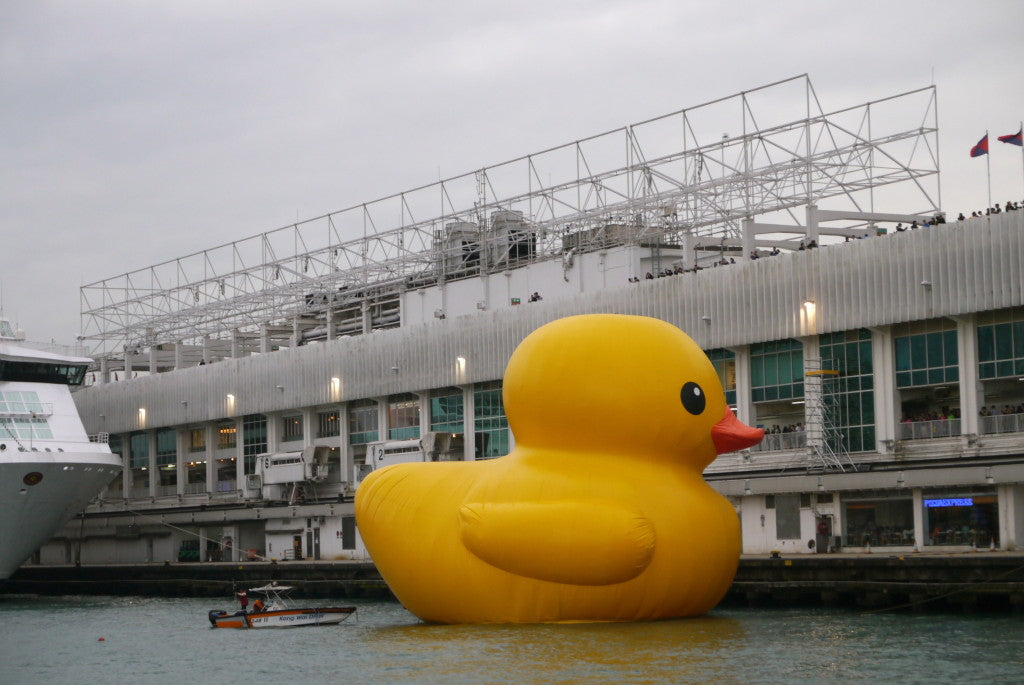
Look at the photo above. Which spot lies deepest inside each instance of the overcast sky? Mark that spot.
(135, 132)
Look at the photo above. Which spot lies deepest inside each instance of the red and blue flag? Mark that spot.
(1014, 138)
(981, 148)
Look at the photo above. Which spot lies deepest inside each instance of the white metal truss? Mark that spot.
(697, 172)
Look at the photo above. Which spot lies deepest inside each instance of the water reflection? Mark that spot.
(593, 651)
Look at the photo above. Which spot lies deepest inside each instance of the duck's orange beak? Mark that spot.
(730, 434)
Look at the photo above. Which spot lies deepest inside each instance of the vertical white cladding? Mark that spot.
(939, 271)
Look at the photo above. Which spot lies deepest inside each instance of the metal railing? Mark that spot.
(925, 430)
(28, 410)
(195, 488)
(1001, 423)
(776, 442)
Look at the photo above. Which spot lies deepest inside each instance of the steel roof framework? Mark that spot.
(665, 178)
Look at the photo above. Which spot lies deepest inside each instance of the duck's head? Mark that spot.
(620, 384)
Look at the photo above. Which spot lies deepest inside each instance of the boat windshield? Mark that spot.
(6, 330)
(42, 372)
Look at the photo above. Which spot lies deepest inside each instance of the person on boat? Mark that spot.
(257, 606)
(243, 599)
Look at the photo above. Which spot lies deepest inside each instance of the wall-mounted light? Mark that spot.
(926, 284)
(481, 305)
(706, 319)
(439, 314)
(280, 388)
(142, 417)
(335, 388)
(746, 487)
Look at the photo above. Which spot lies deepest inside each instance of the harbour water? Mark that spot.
(77, 639)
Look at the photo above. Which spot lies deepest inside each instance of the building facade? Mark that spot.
(888, 373)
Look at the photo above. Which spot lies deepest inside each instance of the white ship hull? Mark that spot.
(33, 507)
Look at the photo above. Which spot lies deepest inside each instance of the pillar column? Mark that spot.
(239, 455)
(212, 435)
(151, 460)
(814, 404)
(886, 396)
(971, 392)
(182, 447)
(812, 223)
(745, 411)
(468, 424)
(749, 237)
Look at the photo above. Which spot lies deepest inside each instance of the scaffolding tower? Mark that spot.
(826, 446)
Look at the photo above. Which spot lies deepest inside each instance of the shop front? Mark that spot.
(961, 517)
(878, 519)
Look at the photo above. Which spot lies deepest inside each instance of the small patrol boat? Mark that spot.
(276, 611)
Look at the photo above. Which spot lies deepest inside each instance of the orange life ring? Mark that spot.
(822, 528)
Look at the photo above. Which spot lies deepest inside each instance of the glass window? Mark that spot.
(724, 362)
(42, 372)
(226, 436)
(254, 440)
(362, 422)
(491, 426)
(447, 410)
(197, 440)
(931, 358)
(777, 370)
(166, 447)
(291, 428)
(139, 443)
(403, 417)
(1001, 347)
(878, 520)
(328, 424)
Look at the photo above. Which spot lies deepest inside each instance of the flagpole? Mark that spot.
(988, 173)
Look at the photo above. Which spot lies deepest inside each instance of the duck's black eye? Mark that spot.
(693, 398)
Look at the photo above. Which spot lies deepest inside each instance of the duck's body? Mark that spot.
(599, 513)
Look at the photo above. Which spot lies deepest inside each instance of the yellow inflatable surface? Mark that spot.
(599, 513)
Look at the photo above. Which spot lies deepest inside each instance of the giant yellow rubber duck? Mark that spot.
(599, 513)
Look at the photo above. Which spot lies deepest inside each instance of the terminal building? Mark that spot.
(250, 387)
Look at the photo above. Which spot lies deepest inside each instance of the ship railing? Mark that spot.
(926, 430)
(29, 410)
(100, 437)
(1001, 423)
